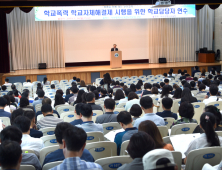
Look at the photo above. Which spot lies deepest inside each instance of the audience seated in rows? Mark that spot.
(132, 99)
(187, 96)
(90, 99)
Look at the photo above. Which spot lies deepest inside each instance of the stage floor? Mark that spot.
(86, 73)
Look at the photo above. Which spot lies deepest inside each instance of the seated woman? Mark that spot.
(140, 144)
(136, 111)
(9, 108)
(216, 112)
(59, 100)
(79, 97)
(175, 86)
(177, 93)
(82, 83)
(132, 99)
(209, 138)
(187, 96)
(151, 129)
(24, 103)
(186, 111)
(119, 95)
(165, 93)
(154, 91)
(44, 82)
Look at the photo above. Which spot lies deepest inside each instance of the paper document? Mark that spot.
(111, 135)
(181, 142)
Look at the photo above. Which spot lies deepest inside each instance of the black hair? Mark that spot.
(196, 67)
(74, 78)
(41, 93)
(162, 84)
(148, 86)
(215, 111)
(202, 87)
(11, 133)
(96, 94)
(23, 123)
(183, 82)
(90, 96)
(30, 115)
(10, 93)
(46, 108)
(133, 87)
(119, 95)
(195, 79)
(192, 83)
(210, 76)
(84, 97)
(146, 102)
(47, 101)
(124, 117)
(185, 71)
(59, 99)
(136, 110)
(4, 87)
(103, 91)
(166, 81)
(67, 92)
(207, 121)
(186, 110)
(44, 80)
(107, 78)
(92, 88)
(3, 102)
(78, 108)
(121, 84)
(154, 90)
(113, 83)
(78, 79)
(140, 143)
(59, 91)
(140, 82)
(15, 92)
(157, 85)
(177, 93)
(74, 89)
(39, 85)
(165, 91)
(186, 94)
(182, 73)
(13, 87)
(75, 138)
(167, 102)
(109, 104)
(132, 95)
(205, 82)
(29, 80)
(179, 71)
(117, 82)
(8, 99)
(59, 130)
(10, 153)
(88, 87)
(79, 96)
(52, 86)
(16, 113)
(187, 85)
(12, 99)
(165, 74)
(86, 110)
(127, 91)
(213, 90)
(6, 80)
(73, 84)
(24, 102)
(138, 86)
(110, 91)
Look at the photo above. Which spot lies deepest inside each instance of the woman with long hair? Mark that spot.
(79, 97)
(187, 96)
(59, 99)
(166, 91)
(45, 81)
(151, 129)
(106, 79)
(82, 83)
(177, 93)
(119, 95)
(24, 103)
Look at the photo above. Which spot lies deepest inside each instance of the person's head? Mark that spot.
(171, 70)
(202, 87)
(41, 93)
(196, 68)
(10, 155)
(133, 87)
(165, 74)
(195, 79)
(203, 71)
(78, 108)
(90, 97)
(159, 159)
(175, 86)
(84, 97)
(46, 109)
(60, 129)
(203, 75)
(103, 91)
(53, 86)
(86, 111)
(59, 99)
(193, 84)
(148, 86)
(146, 103)
(138, 86)
(114, 45)
(119, 95)
(177, 93)
(107, 78)
(3, 102)
(4, 88)
(185, 71)
(29, 81)
(113, 83)
(11, 133)
(210, 76)
(82, 83)
(187, 75)
(78, 80)
(182, 73)
(117, 83)
(23, 123)
(205, 82)
(170, 73)
(92, 88)
(140, 82)
(110, 91)
(74, 78)
(166, 81)
(136, 110)
(165, 91)
(167, 103)
(151, 129)
(215, 111)
(6, 80)
(213, 90)
(121, 85)
(31, 116)
(124, 118)
(79, 96)
(140, 143)
(162, 84)
(74, 89)
(187, 94)
(96, 94)
(187, 85)
(25, 94)
(10, 93)
(186, 110)
(179, 71)
(109, 104)
(183, 82)
(132, 95)
(16, 113)
(47, 101)
(73, 84)
(208, 124)
(45, 80)
(127, 91)
(8, 99)
(13, 87)
(154, 90)
(24, 102)
(156, 85)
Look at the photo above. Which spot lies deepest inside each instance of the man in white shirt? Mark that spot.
(127, 91)
(28, 83)
(165, 77)
(52, 88)
(28, 142)
(213, 95)
(7, 82)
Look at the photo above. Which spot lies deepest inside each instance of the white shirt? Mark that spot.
(131, 102)
(211, 99)
(123, 100)
(28, 84)
(29, 142)
(7, 84)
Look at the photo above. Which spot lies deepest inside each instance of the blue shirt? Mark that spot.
(35, 133)
(76, 122)
(90, 126)
(167, 114)
(57, 155)
(77, 164)
(159, 121)
(68, 96)
(39, 113)
(39, 101)
(4, 113)
(123, 136)
(52, 90)
(139, 92)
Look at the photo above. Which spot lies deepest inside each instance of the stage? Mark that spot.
(89, 73)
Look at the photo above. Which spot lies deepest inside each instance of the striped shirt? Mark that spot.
(48, 121)
(75, 163)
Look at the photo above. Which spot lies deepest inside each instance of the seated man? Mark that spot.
(161, 86)
(148, 88)
(165, 77)
(109, 116)
(41, 94)
(71, 93)
(10, 155)
(78, 81)
(213, 95)
(138, 89)
(90, 99)
(49, 120)
(29, 83)
(196, 69)
(193, 84)
(12, 133)
(147, 106)
(167, 103)
(125, 120)
(77, 113)
(4, 88)
(202, 77)
(7, 82)
(117, 85)
(121, 85)
(74, 142)
(28, 142)
(182, 76)
(170, 75)
(3, 104)
(33, 132)
(52, 88)
(88, 125)
(218, 75)
(74, 79)
(202, 89)
(75, 91)
(166, 81)
(57, 155)
(127, 91)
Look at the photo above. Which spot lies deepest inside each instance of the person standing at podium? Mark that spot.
(114, 48)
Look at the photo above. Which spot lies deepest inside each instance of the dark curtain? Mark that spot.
(26, 10)
(198, 7)
(214, 6)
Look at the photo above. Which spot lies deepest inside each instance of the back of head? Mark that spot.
(3, 102)
(119, 95)
(210, 76)
(193, 84)
(205, 82)
(47, 101)
(46, 108)
(215, 111)
(44, 80)
(78, 79)
(13, 87)
(177, 93)
(110, 91)
(213, 90)
(185, 71)
(162, 84)
(140, 143)
(167, 102)
(132, 95)
(59, 99)
(166, 81)
(148, 86)
(23, 123)
(59, 130)
(121, 84)
(196, 68)
(52, 86)
(75, 138)
(11, 133)
(30, 115)
(74, 78)
(187, 85)
(10, 154)
(41, 93)
(182, 73)
(86, 110)
(96, 94)
(165, 74)
(8, 99)
(127, 91)
(90, 97)
(187, 94)
(171, 70)
(109, 104)
(78, 108)
(136, 110)
(208, 123)
(92, 88)
(146, 102)
(29, 81)
(154, 90)
(133, 87)
(24, 102)
(195, 79)
(183, 82)
(202, 87)
(16, 113)
(117, 83)
(165, 91)
(103, 91)
(124, 117)
(74, 89)
(4, 87)
(6, 80)
(186, 110)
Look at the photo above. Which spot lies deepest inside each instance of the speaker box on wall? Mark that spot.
(42, 65)
(162, 60)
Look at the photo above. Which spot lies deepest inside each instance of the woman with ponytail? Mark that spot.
(209, 138)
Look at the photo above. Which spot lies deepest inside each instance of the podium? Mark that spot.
(206, 57)
(116, 59)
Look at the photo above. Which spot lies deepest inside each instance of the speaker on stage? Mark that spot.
(42, 65)
(162, 60)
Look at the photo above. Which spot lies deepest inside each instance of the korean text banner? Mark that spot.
(113, 12)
